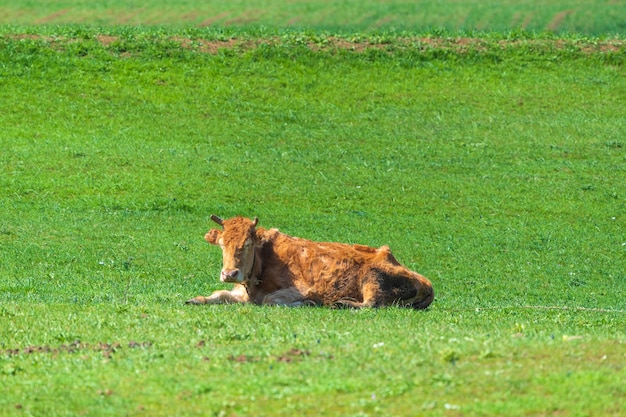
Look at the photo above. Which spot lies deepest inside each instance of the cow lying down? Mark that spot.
(269, 267)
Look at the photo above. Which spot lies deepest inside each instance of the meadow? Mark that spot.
(591, 17)
(494, 163)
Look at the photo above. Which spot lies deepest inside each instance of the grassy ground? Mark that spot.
(581, 16)
(495, 167)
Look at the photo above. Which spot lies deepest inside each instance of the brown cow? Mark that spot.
(269, 267)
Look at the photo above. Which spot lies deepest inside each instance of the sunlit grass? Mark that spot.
(497, 172)
(561, 16)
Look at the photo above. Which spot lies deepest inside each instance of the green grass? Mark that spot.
(580, 16)
(497, 169)
(267, 361)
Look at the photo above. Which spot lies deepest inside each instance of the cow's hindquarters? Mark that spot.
(396, 286)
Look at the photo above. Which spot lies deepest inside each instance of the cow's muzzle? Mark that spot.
(231, 275)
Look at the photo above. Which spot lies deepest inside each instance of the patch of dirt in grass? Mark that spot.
(31, 37)
(250, 16)
(206, 46)
(558, 19)
(106, 40)
(333, 44)
(76, 346)
(128, 17)
(385, 21)
(243, 358)
(213, 19)
(293, 355)
(294, 20)
(52, 17)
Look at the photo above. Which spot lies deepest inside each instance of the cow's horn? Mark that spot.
(217, 220)
(255, 221)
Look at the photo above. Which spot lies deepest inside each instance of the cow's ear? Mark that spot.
(213, 236)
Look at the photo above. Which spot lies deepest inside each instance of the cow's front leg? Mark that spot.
(290, 297)
(237, 295)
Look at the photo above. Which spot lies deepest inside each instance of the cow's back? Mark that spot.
(324, 272)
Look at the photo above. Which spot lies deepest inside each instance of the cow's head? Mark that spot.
(237, 240)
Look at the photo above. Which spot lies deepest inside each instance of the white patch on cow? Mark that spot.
(286, 297)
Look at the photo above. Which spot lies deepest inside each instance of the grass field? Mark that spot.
(592, 17)
(494, 164)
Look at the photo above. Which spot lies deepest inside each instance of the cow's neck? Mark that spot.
(252, 280)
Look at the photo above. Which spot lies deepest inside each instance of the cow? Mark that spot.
(271, 268)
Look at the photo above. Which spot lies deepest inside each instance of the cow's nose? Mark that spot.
(229, 274)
